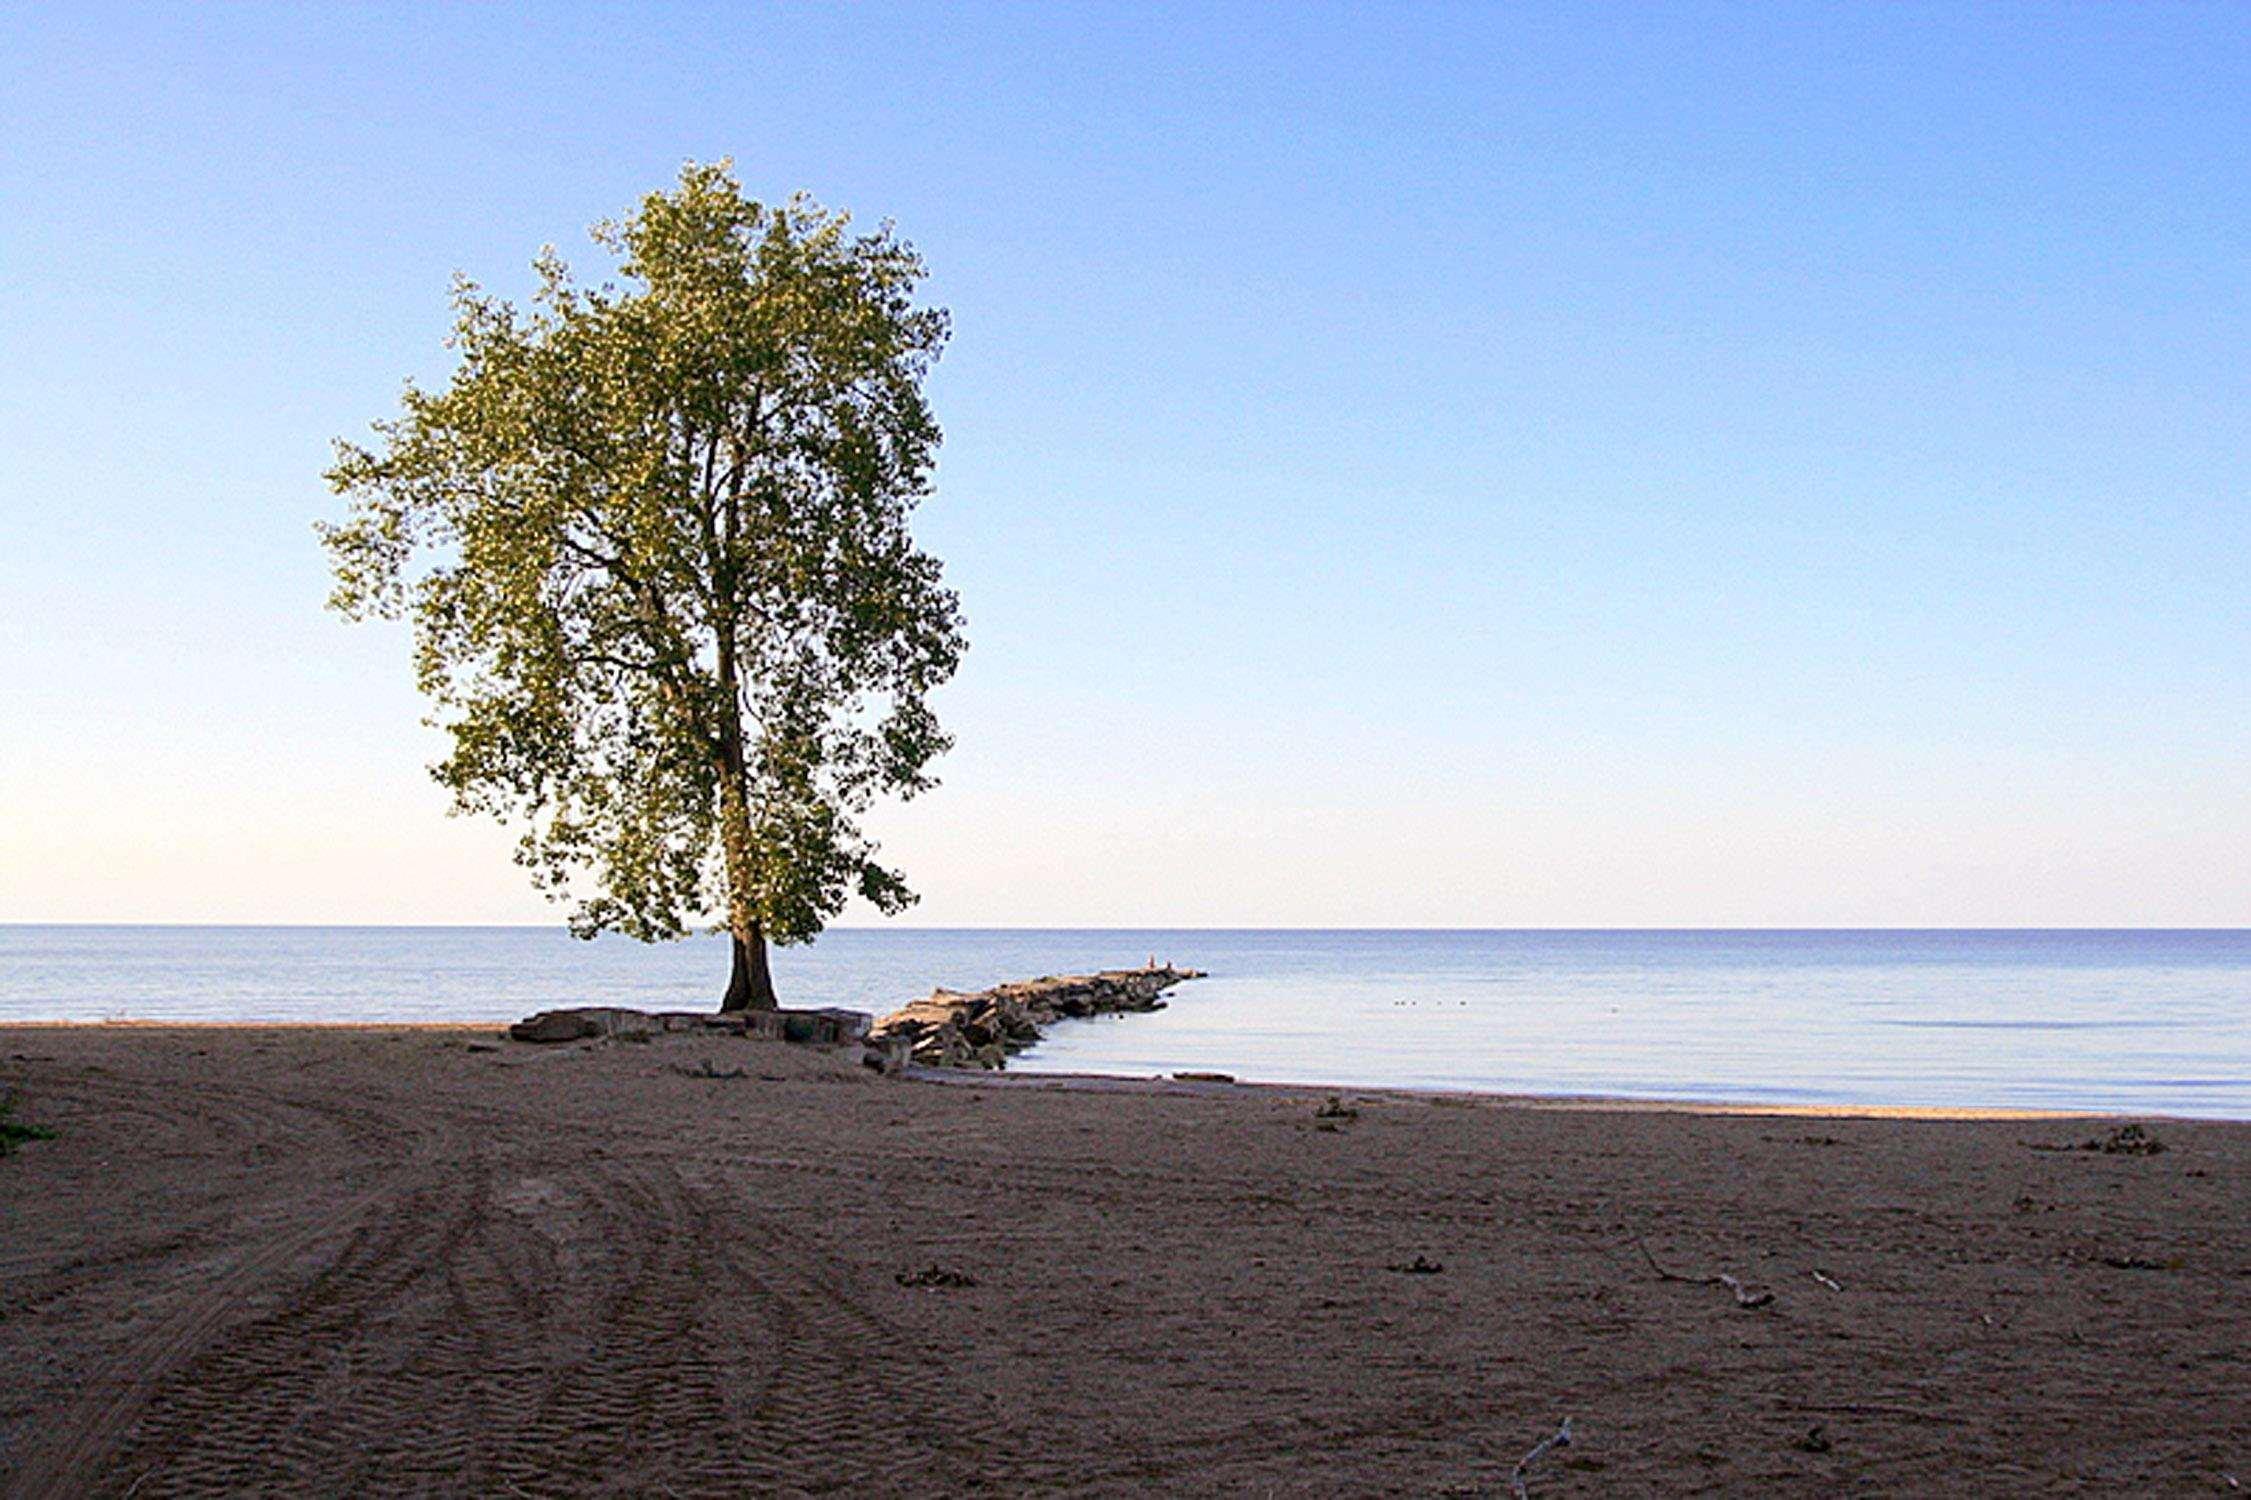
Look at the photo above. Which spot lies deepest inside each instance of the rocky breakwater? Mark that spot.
(980, 1028)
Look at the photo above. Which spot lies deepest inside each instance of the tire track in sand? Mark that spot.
(515, 1327)
(72, 1455)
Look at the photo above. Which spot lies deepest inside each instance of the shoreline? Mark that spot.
(1021, 1078)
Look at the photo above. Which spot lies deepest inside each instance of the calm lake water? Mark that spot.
(2134, 1021)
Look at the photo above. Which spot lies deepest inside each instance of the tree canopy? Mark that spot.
(653, 540)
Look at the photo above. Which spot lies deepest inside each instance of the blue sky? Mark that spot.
(1531, 465)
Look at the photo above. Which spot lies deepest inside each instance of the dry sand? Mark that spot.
(328, 1260)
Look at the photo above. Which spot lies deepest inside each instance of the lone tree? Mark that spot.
(653, 541)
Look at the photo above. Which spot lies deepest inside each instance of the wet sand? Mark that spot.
(387, 1260)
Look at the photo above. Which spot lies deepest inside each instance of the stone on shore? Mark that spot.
(827, 1028)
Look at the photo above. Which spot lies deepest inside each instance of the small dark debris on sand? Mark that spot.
(15, 1132)
(1336, 1109)
(709, 1069)
(1816, 1440)
(935, 1275)
(1421, 1265)
(2126, 1140)
(2137, 1263)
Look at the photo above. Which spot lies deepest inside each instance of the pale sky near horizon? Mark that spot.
(1491, 466)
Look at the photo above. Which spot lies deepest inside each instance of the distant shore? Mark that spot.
(319, 1258)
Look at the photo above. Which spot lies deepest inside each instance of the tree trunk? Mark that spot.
(752, 986)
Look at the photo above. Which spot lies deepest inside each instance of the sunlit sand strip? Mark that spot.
(1472, 1098)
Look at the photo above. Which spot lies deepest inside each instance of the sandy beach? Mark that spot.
(339, 1260)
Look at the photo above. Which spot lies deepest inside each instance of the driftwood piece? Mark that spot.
(1560, 1438)
(1745, 1297)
